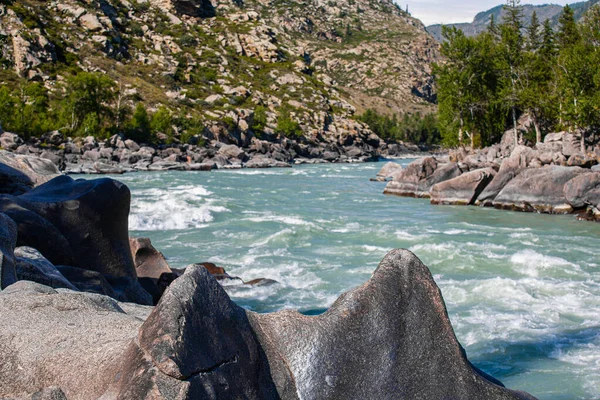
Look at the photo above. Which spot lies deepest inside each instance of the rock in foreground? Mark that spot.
(390, 338)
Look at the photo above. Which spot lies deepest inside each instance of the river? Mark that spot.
(522, 290)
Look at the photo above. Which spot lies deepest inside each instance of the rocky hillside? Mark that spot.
(319, 62)
(544, 12)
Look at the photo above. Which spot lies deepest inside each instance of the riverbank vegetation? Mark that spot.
(489, 80)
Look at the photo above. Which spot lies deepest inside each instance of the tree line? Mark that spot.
(489, 80)
(88, 104)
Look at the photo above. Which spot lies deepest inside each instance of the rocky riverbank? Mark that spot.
(90, 313)
(552, 177)
(118, 155)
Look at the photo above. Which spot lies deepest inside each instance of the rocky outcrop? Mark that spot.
(91, 217)
(520, 158)
(464, 189)
(538, 190)
(419, 176)
(583, 190)
(19, 173)
(388, 171)
(71, 341)
(390, 337)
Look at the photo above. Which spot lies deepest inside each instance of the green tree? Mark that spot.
(162, 122)
(7, 108)
(259, 120)
(287, 126)
(138, 128)
(89, 93)
(511, 60)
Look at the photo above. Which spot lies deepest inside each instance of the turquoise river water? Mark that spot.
(522, 290)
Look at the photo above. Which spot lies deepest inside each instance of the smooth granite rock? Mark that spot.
(538, 190)
(583, 190)
(464, 189)
(74, 341)
(92, 215)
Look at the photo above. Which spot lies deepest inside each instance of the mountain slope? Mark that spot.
(317, 60)
(544, 12)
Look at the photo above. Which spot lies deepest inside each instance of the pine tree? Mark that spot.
(568, 34)
(511, 61)
(533, 33)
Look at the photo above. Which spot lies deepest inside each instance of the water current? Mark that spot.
(522, 290)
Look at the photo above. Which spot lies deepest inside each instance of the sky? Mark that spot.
(448, 12)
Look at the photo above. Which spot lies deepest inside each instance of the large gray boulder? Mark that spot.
(92, 215)
(20, 173)
(538, 190)
(583, 190)
(520, 158)
(390, 338)
(8, 242)
(389, 170)
(419, 176)
(72, 341)
(464, 189)
(197, 344)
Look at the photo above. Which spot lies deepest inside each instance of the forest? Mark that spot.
(488, 81)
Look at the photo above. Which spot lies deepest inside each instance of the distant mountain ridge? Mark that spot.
(544, 12)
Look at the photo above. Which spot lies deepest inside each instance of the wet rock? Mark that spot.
(92, 216)
(464, 189)
(583, 190)
(31, 265)
(74, 341)
(538, 190)
(264, 162)
(102, 168)
(8, 242)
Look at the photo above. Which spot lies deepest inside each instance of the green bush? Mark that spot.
(286, 126)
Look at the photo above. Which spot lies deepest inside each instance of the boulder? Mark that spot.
(10, 141)
(72, 341)
(150, 265)
(390, 338)
(37, 232)
(519, 159)
(419, 176)
(31, 265)
(464, 189)
(538, 190)
(583, 190)
(581, 160)
(87, 281)
(389, 170)
(198, 344)
(92, 215)
(8, 242)
(37, 170)
(13, 181)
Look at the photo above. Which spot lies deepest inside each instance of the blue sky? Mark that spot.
(446, 12)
